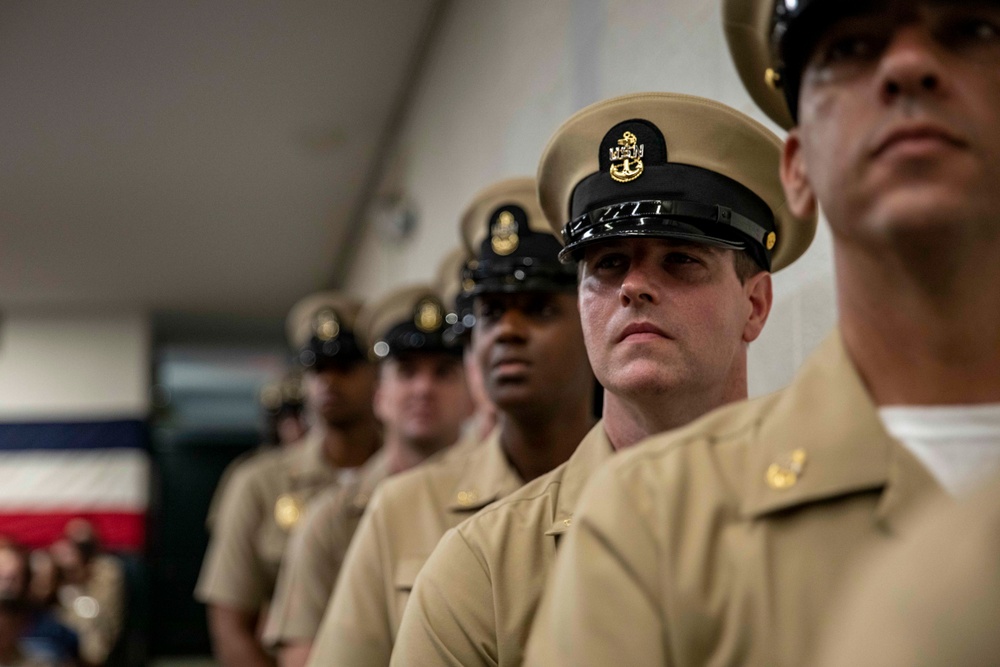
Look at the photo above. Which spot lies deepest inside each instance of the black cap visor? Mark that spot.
(340, 353)
(692, 222)
(675, 201)
(407, 339)
(507, 275)
(796, 29)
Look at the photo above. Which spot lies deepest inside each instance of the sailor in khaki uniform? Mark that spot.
(727, 542)
(454, 286)
(266, 498)
(683, 274)
(528, 341)
(282, 405)
(422, 401)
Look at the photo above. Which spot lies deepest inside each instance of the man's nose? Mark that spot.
(910, 66)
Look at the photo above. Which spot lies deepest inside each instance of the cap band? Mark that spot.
(662, 218)
(340, 351)
(672, 200)
(405, 338)
(523, 274)
(795, 27)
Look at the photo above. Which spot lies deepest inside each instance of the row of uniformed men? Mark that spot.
(728, 539)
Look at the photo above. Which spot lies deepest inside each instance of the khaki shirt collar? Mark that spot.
(374, 471)
(307, 464)
(487, 475)
(822, 438)
(590, 454)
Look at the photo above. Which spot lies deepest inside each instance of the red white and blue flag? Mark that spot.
(51, 473)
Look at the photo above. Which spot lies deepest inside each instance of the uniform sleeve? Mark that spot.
(220, 490)
(232, 574)
(449, 619)
(599, 607)
(356, 629)
(308, 571)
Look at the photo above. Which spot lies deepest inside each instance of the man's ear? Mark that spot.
(758, 290)
(798, 189)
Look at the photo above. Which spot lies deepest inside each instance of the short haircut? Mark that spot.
(746, 266)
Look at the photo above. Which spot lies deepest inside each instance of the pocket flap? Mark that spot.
(406, 572)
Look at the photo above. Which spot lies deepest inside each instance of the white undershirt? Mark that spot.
(959, 444)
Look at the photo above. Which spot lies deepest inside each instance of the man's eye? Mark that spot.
(974, 30)
(849, 48)
(547, 310)
(680, 258)
(609, 262)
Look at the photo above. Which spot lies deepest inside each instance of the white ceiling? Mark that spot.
(190, 156)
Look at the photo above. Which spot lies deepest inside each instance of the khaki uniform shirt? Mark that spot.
(227, 475)
(398, 532)
(315, 554)
(933, 600)
(724, 543)
(474, 600)
(262, 503)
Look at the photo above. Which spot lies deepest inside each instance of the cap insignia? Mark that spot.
(629, 155)
(326, 326)
(504, 231)
(287, 511)
(771, 239)
(429, 315)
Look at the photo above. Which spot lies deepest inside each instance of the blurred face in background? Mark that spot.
(13, 574)
(340, 395)
(423, 399)
(69, 560)
(44, 577)
(290, 427)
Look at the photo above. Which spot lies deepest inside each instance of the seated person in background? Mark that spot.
(29, 636)
(92, 590)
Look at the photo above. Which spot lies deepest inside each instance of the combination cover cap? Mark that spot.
(407, 320)
(320, 328)
(664, 165)
(769, 41)
(513, 247)
(454, 283)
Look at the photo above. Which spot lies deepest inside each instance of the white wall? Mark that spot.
(504, 75)
(58, 366)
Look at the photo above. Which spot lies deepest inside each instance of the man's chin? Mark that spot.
(641, 378)
(513, 395)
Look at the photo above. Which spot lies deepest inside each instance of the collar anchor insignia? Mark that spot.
(784, 473)
(287, 511)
